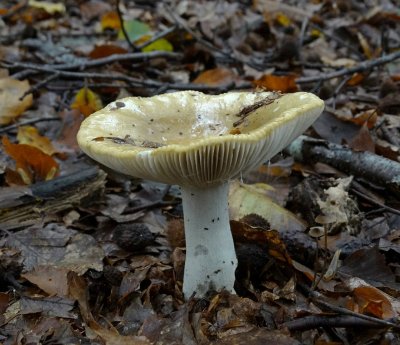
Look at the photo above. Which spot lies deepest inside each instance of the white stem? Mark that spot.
(210, 254)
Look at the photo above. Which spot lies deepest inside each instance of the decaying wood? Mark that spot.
(26, 205)
(369, 166)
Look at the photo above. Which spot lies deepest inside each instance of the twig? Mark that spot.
(375, 202)
(98, 62)
(127, 39)
(180, 22)
(366, 165)
(27, 122)
(336, 321)
(157, 37)
(37, 86)
(362, 66)
(338, 40)
(316, 298)
(134, 82)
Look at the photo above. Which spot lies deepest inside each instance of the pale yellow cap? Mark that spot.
(192, 139)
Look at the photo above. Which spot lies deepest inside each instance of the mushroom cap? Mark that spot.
(193, 139)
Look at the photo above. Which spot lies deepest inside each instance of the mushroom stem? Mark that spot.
(210, 253)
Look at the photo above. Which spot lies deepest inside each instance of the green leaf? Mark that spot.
(160, 44)
(135, 29)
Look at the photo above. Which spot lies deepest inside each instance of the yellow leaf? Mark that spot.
(161, 44)
(110, 20)
(10, 92)
(87, 101)
(49, 7)
(30, 136)
(246, 199)
(283, 19)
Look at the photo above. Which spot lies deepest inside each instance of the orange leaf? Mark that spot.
(355, 79)
(110, 20)
(87, 101)
(106, 50)
(10, 92)
(30, 136)
(286, 83)
(372, 301)
(215, 77)
(31, 163)
(369, 117)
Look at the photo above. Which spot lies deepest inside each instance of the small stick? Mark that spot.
(27, 122)
(127, 39)
(37, 86)
(362, 66)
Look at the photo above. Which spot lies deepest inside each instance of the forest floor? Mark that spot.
(317, 234)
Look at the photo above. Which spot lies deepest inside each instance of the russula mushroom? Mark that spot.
(199, 142)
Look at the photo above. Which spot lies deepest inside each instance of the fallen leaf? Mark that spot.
(258, 336)
(49, 7)
(272, 82)
(282, 19)
(55, 245)
(372, 301)
(216, 77)
(52, 280)
(30, 136)
(87, 101)
(110, 20)
(245, 233)
(31, 163)
(50, 306)
(10, 92)
(135, 29)
(71, 123)
(247, 199)
(78, 291)
(355, 79)
(363, 141)
(106, 50)
(161, 44)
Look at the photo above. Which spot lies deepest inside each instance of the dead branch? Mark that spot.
(28, 122)
(131, 81)
(337, 321)
(361, 67)
(27, 205)
(142, 56)
(367, 165)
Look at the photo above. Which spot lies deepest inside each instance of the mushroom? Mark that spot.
(199, 142)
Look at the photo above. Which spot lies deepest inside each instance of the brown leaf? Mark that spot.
(258, 336)
(52, 280)
(10, 92)
(216, 77)
(31, 163)
(79, 291)
(106, 50)
(270, 238)
(363, 141)
(272, 82)
(72, 120)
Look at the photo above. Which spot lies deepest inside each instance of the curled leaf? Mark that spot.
(31, 164)
(11, 90)
(87, 101)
